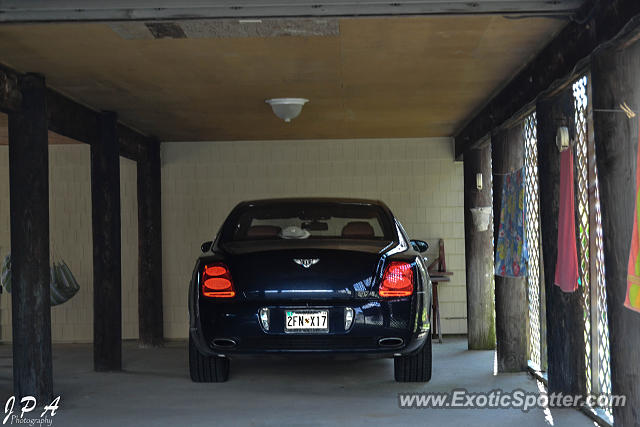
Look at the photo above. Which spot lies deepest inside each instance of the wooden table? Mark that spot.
(437, 277)
(438, 273)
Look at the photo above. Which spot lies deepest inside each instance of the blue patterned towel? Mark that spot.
(511, 249)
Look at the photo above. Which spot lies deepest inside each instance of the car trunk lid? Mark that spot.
(288, 271)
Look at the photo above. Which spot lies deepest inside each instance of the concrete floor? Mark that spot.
(155, 390)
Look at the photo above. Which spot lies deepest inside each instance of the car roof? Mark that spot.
(338, 200)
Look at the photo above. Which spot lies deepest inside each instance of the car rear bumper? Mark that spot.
(384, 328)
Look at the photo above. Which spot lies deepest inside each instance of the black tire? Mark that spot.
(415, 367)
(207, 369)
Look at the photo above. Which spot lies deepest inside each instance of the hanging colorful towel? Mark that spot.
(511, 249)
(632, 299)
(567, 261)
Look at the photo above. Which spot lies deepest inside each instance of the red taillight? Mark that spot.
(217, 282)
(397, 280)
(215, 270)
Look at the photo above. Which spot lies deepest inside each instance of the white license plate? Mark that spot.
(306, 320)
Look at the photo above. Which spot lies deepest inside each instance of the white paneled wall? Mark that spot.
(203, 181)
(129, 236)
(71, 240)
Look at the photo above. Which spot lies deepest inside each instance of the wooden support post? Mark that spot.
(512, 313)
(564, 313)
(107, 292)
(614, 81)
(29, 216)
(149, 246)
(542, 306)
(481, 326)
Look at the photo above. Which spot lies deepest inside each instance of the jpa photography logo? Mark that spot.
(23, 416)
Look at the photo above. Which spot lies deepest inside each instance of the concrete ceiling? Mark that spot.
(207, 80)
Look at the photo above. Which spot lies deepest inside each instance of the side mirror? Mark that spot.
(206, 246)
(420, 245)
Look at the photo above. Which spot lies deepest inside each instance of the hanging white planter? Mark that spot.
(481, 217)
(562, 138)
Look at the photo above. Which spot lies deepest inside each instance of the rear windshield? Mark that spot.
(289, 221)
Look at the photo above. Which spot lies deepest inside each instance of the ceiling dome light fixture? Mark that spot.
(287, 108)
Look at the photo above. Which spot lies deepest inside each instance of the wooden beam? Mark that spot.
(107, 286)
(10, 95)
(564, 313)
(68, 117)
(83, 10)
(131, 142)
(76, 121)
(71, 119)
(507, 155)
(481, 326)
(605, 21)
(150, 246)
(29, 217)
(614, 80)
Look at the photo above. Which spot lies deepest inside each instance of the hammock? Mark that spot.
(63, 285)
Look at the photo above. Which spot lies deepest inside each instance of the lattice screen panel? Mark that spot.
(533, 236)
(597, 354)
(604, 356)
(582, 179)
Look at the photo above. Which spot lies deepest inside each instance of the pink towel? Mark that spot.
(632, 299)
(567, 262)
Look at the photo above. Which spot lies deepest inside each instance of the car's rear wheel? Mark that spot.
(206, 369)
(415, 367)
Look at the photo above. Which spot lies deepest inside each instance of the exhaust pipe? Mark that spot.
(224, 342)
(390, 342)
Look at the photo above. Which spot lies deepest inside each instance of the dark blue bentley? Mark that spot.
(310, 276)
